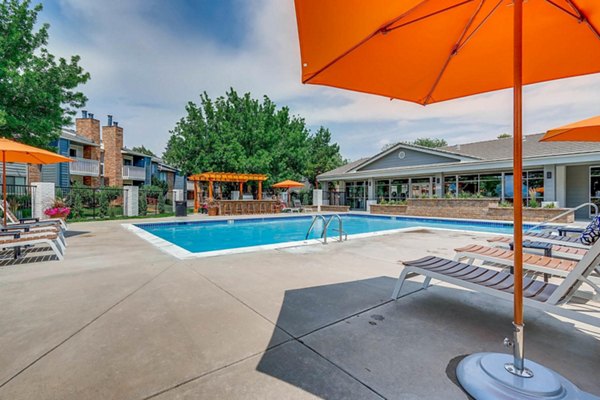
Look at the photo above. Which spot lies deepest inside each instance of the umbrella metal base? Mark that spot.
(484, 376)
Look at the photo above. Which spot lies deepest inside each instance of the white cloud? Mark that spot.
(143, 72)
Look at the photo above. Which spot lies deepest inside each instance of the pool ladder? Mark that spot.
(326, 222)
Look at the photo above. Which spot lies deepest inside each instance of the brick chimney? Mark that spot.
(89, 127)
(112, 137)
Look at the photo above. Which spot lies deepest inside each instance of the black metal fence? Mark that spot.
(18, 198)
(107, 202)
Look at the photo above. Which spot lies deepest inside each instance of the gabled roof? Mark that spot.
(344, 168)
(501, 149)
(452, 156)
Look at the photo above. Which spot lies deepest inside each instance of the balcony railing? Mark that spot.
(84, 167)
(134, 173)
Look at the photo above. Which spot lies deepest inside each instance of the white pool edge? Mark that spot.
(183, 254)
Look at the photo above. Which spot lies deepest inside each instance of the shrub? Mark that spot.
(550, 205)
(505, 204)
(142, 204)
(103, 204)
(161, 203)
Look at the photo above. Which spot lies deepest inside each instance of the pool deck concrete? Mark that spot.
(119, 319)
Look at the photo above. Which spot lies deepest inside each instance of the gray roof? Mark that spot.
(73, 136)
(345, 168)
(501, 149)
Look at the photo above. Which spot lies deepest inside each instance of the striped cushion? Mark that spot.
(591, 232)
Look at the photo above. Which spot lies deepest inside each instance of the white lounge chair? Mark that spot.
(16, 241)
(33, 221)
(537, 293)
(534, 263)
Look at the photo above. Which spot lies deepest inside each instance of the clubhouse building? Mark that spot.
(566, 173)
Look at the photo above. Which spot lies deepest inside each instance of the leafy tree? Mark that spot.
(323, 156)
(161, 203)
(103, 204)
(504, 136)
(37, 91)
(240, 134)
(423, 142)
(161, 184)
(430, 142)
(143, 150)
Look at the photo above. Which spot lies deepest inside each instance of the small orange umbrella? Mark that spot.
(16, 152)
(288, 184)
(587, 130)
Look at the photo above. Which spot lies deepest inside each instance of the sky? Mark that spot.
(148, 58)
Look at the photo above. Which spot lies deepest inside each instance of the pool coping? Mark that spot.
(183, 254)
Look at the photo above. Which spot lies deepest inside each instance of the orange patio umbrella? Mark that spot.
(16, 152)
(587, 130)
(426, 51)
(288, 184)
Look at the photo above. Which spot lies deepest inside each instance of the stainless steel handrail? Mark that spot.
(571, 210)
(340, 228)
(312, 224)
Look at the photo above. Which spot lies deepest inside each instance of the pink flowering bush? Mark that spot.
(58, 210)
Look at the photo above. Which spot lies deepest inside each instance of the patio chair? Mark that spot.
(17, 240)
(549, 248)
(293, 209)
(537, 293)
(548, 266)
(30, 229)
(33, 221)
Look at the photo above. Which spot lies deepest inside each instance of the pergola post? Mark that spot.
(196, 200)
(259, 190)
(210, 190)
(241, 189)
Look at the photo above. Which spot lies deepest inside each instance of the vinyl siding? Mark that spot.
(412, 158)
(578, 188)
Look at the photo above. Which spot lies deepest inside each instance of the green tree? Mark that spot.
(37, 91)
(240, 134)
(161, 203)
(103, 203)
(423, 142)
(430, 142)
(143, 150)
(504, 136)
(323, 155)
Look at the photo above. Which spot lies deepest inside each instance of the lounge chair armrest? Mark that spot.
(25, 220)
(15, 235)
(16, 227)
(547, 247)
(562, 231)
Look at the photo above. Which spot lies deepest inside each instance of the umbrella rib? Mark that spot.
(386, 28)
(583, 18)
(561, 8)
(452, 53)
(468, 38)
(383, 29)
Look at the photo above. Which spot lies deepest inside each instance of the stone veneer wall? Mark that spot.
(112, 137)
(34, 173)
(450, 208)
(469, 209)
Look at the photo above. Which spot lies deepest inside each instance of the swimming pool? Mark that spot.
(202, 238)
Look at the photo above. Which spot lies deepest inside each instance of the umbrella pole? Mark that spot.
(518, 367)
(4, 183)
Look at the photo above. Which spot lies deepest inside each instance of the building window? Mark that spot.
(533, 183)
(72, 153)
(382, 190)
(420, 188)
(490, 185)
(399, 189)
(594, 187)
(468, 185)
(356, 195)
(450, 186)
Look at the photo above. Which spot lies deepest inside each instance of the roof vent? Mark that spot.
(109, 120)
(90, 115)
(84, 114)
(115, 123)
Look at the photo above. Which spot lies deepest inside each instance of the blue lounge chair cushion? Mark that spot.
(591, 232)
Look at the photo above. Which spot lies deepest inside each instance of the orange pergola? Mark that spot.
(211, 177)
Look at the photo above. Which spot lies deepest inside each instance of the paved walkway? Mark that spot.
(119, 319)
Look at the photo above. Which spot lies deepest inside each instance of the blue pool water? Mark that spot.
(202, 236)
